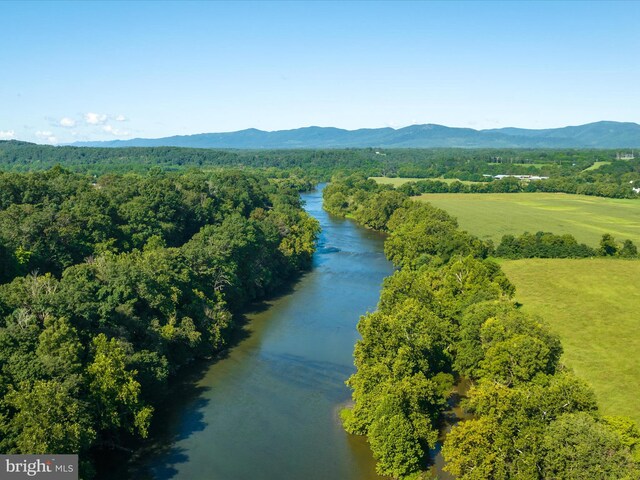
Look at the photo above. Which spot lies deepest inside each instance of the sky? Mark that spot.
(75, 71)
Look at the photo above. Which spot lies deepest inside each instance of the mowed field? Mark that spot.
(492, 215)
(593, 304)
(397, 181)
(596, 166)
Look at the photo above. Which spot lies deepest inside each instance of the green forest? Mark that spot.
(111, 286)
(612, 186)
(119, 268)
(320, 240)
(569, 170)
(448, 313)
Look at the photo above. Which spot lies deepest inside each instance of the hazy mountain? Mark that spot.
(597, 135)
(591, 135)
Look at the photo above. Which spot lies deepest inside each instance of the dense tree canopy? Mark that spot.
(567, 168)
(447, 312)
(548, 245)
(113, 285)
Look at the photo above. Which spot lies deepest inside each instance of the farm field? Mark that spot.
(536, 165)
(596, 166)
(492, 215)
(593, 305)
(397, 181)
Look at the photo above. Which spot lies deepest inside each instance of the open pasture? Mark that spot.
(596, 166)
(492, 215)
(397, 181)
(535, 165)
(593, 305)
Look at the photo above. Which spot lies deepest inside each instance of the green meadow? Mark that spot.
(593, 305)
(397, 181)
(597, 165)
(535, 165)
(492, 215)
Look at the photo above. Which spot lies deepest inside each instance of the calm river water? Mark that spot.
(269, 410)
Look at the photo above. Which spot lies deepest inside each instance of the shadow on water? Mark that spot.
(452, 416)
(266, 303)
(180, 415)
(183, 392)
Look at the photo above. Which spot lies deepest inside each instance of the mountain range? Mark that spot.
(592, 135)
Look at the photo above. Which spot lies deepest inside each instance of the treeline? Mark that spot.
(373, 204)
(548, 245)
(463, 164)
(448, 312)
(54, 219)
(566, 167)
(576, 185)
(130, 279)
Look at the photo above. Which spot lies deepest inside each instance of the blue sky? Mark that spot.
(78, 71)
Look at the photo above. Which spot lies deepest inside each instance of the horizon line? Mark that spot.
(337, 128)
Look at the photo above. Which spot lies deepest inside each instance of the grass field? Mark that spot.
(596, 166)
(492, 215)
(536, 165)
(396, 182)
(593, 304)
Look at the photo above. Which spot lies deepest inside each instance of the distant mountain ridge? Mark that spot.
(603, 134)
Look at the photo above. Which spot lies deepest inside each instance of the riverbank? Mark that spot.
(267, 409)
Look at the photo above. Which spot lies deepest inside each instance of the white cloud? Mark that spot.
(7, 134)
(67, 122)
(121, 118)
(95, 118)
(115, 131)
(47, 136)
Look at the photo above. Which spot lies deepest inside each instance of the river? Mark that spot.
(269, 409)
